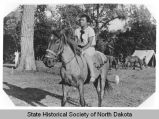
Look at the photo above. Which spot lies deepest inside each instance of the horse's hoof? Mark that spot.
(63, 103)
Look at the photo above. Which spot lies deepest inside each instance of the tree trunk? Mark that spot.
(27, 61)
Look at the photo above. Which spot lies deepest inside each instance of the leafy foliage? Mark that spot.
(139, 31)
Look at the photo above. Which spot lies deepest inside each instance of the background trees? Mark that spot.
(11, 34)
(138, 31)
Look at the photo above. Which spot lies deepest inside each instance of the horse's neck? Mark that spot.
(67, 54)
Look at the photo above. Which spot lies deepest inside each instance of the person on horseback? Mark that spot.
(90, 66)
(85, 38)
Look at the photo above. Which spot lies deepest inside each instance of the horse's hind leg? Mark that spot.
(81, 93)
(65, 94)
(101, 91)
(141, 65)
(97, 85)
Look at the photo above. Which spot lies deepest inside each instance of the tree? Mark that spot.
(11, 34)
(142, 32)
(103, 14)
(139, 31)
(42, 33)
(68, 19)
(27, 61)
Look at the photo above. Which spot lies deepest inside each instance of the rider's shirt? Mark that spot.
(85, 34)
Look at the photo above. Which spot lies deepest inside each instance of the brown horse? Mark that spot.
(133, 60)
(113, 61)
(74, 71)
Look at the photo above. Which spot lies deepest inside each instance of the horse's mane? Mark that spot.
(56, 33)
(71, 43)
(66, 39)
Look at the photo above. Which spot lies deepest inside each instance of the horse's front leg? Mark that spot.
(81, 93)
(99, 88)
(102, 84)
(65, 94)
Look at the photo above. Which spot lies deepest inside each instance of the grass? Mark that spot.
(42, 88)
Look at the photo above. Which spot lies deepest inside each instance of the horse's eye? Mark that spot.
(57, 42)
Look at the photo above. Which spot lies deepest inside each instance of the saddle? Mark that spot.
(99, 59)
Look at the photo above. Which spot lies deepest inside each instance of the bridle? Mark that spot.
(52, 52)
(57, 54)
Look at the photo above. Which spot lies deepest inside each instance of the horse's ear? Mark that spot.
(56, 33)
(52, 37)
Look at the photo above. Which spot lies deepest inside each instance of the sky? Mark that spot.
(117, 24)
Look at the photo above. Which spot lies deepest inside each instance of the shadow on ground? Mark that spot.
(29, 95)
(9, 66)
(33, 95)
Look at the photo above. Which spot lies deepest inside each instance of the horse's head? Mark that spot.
(127, 59)
(56, 45)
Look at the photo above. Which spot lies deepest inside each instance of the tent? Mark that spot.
(150, 56)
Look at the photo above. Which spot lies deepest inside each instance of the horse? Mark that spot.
(113, 61)
(74, 71)
(133, 60)
(49, 62)
(121, 61)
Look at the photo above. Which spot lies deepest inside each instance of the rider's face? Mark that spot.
(83, 21)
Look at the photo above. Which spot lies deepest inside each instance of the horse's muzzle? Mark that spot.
(48, 62)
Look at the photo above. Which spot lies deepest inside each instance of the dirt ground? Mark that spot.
(42, 88)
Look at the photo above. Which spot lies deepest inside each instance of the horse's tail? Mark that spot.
(108, 87)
